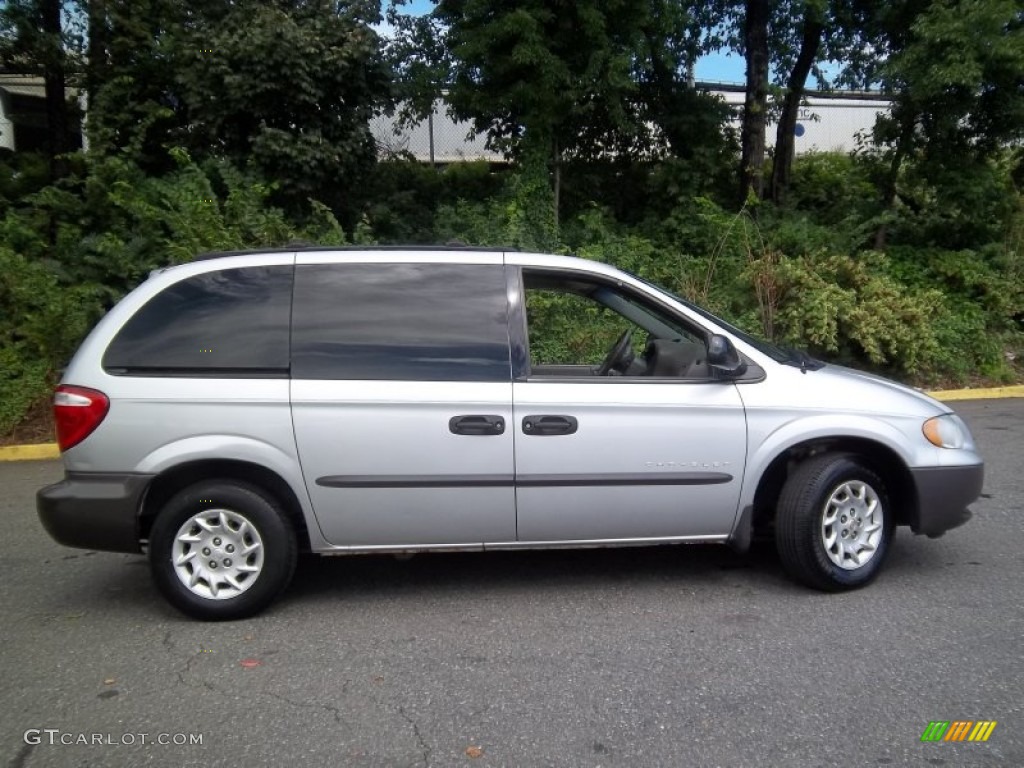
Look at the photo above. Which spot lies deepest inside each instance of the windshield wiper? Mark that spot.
(800, 359)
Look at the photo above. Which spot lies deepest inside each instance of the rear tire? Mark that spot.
(833, 523)
(222, 550)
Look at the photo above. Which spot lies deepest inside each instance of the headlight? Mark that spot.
(945, 431)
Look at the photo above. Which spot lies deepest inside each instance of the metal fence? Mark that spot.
(438, 139)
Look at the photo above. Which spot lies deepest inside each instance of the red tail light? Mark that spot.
(77, 412)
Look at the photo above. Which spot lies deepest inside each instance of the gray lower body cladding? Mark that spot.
(94, 510)
(943, 494)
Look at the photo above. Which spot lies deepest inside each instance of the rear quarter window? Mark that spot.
(228, 322)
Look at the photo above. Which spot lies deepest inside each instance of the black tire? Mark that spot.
(235, 552)
(809, 494)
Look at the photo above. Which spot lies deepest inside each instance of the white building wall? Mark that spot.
(6, 133)
(824, 125)
(6, 126)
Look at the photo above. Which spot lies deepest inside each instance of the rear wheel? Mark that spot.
(222, 550)
(833, 523)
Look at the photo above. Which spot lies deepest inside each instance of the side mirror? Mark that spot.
(723, 358)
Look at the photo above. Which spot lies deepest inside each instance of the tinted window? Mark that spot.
(426, 322)
(231, 322)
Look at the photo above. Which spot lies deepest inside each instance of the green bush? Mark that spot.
(943, 303)
(835, 190)
(520, 216)
(41, 324)
(404, 196)
(983, 295)
(68, 252)
(850, 309)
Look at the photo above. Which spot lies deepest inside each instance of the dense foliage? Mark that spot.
(216, 125)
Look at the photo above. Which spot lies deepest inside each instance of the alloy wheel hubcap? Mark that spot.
(217, 554)
(852, 524)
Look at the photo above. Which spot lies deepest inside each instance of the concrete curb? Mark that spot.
(50, 450)
(991, 393)
(29, 452)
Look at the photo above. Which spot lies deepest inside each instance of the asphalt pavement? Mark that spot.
(666, 656)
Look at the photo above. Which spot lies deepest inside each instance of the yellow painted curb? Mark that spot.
(989, 393)
(27, 452)
(50, 450)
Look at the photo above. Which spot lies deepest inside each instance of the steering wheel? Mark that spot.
(617, 355)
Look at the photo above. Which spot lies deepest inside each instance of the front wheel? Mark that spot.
(833, 523)
(222, 550)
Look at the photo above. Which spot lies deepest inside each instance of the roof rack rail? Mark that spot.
(451, 245)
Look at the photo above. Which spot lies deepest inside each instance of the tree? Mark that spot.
(756, 16)
(556, 82)
(288, 87)
(131, 66)
(807, 34)
(281, 88)
(689, 120)
(955, 74)
(33, 41)
(783, 43)
(543, 80)
(525, 72)
(812, 29)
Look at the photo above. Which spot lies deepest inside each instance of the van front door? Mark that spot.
(612, 442)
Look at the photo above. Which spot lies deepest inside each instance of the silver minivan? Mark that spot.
(232, 412)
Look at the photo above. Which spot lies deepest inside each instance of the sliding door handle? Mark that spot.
(549, 425)
(476, 425)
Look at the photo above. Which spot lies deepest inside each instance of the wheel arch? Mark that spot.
(876, 456)
(171, 480)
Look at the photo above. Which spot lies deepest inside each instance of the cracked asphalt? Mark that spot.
(673, 656)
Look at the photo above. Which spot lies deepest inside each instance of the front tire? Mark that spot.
(222, 550)
(833, 523)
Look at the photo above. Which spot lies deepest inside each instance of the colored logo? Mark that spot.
(958, 730)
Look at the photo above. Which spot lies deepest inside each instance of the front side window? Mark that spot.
(577, 326)
(569, 329)
(411, 322)
(229, 322)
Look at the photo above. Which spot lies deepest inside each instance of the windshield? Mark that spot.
(775, 353)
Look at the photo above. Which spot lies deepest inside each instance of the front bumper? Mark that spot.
(943, 494)
(94, 510)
